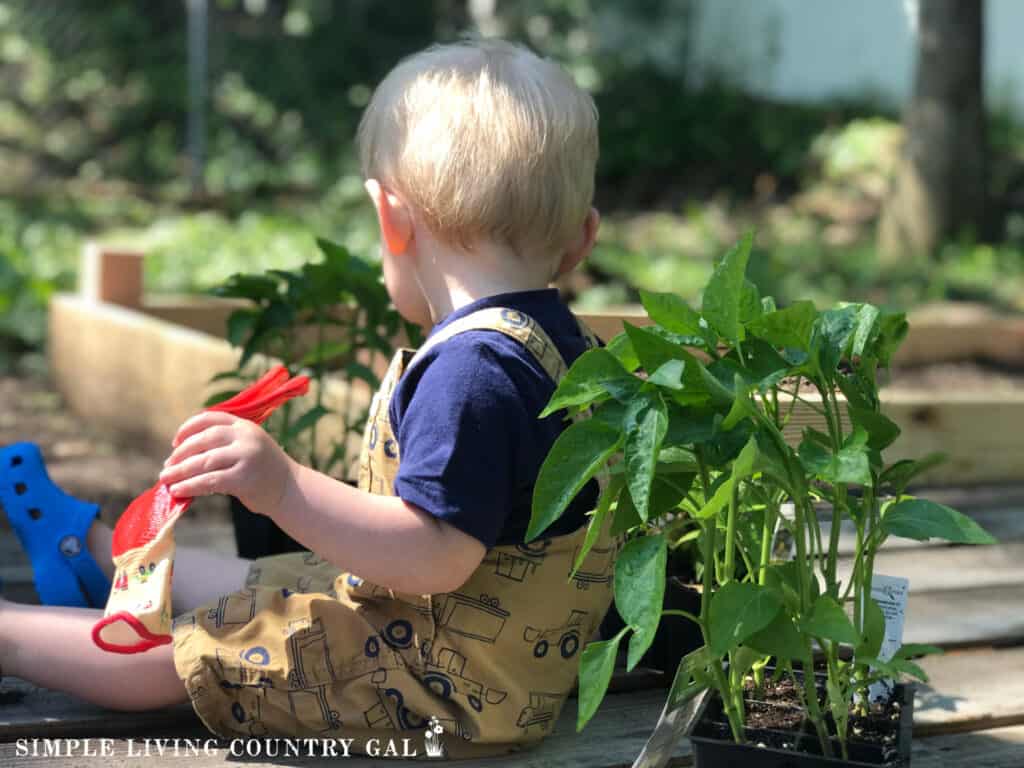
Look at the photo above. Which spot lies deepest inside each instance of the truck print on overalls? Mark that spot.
(326, 653)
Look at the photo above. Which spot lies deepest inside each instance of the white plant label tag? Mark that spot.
(783, 544)
(890, 592)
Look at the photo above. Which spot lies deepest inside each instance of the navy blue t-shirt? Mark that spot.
(465, 417)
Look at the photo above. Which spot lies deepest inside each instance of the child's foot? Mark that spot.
(4, 610)
(53, 529)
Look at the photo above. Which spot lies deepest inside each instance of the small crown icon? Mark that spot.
(432, 739)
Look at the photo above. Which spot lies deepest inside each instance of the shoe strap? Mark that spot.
(86, 570)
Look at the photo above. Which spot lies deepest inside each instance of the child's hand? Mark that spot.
(219, 453)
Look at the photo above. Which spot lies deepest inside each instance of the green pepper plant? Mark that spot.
(689, 415)
(317, 318)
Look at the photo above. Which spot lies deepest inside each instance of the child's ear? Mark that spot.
(393, 215)
(583, 245)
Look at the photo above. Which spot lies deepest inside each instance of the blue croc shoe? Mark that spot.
(52, 527)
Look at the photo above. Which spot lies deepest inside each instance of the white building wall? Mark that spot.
(808, 50)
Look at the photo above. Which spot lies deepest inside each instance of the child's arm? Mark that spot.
(380, 538)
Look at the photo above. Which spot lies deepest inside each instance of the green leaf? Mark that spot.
(874, 630)
(913, 650)
(905, 667)
(241, 323)
(304, 422)
(743, 659)
(789, 327)
(584, 382)
(762, 366)
(322, 353)
(672, 313)
(892, 331)
(611, 413)
(597, 662)
(882, 430)
(920, 519)
(720, 392)
(359, 371)
(860, 391)
(639, 591)
(830, 337)
(252, 287)
(626, 517)
(604, 503)
(742, 468)
(689, 425)
(576, 456)
(896, 667)
(850, 465)
(725, 446)
(646, 424)
(829, 620)
(780, 638)
(737, 611)
(771, 461)
(782, 578)
(838, 700)
(668, 489)
(723, 296)
(225, 375)
(220, 397)
(742, 407)
(653, 350)
(900, 474)
(750, 302)
(867, 317)
(622, 349)
(669, 375)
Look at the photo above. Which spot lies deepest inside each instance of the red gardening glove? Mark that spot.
(138, 612)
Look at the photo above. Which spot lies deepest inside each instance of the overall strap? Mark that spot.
(514, 324)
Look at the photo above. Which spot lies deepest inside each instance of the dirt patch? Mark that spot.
(777, 720)
(93, 466)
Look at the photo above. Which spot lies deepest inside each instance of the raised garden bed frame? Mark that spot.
(139, 365)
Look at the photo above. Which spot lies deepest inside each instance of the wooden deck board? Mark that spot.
(613, 739)
(28, 710)
(950, 568)
(985, 615)
(999, 748)
(1005, 523)
(970, 690)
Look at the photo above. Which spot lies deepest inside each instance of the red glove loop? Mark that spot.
(153, 511)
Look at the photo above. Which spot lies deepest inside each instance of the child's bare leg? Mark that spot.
(52, 646)
(200, 575)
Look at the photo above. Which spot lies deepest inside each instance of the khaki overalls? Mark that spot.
(307, 651)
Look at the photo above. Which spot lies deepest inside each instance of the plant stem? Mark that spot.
(685, 614)
(813, 708)
(771, 516)
(792, 404)
(730, 533)
(318, 372)
(795, 399)
(710, 528)
(834, 675)
(839, 495)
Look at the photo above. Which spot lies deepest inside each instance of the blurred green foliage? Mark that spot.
(320, 317)
(97, 92)
(93, 99)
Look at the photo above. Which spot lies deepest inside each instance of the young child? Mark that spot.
(419, 598)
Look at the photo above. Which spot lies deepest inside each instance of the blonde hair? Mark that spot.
(485, 139)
